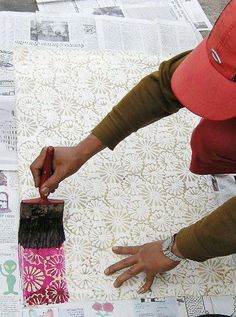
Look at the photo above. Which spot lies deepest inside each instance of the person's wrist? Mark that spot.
(175, 249)
(89, 147)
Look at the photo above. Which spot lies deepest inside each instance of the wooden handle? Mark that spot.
(47, 169)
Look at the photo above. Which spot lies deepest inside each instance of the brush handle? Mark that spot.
(47, 169)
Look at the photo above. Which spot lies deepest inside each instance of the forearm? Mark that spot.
(212, 236)
(90, 146)
(150, 100)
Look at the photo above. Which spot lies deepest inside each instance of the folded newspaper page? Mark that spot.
(95, 32)
(152, 307)
(8, 158)
(10, 288)
(173, 10)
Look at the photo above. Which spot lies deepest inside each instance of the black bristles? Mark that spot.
(39, 233)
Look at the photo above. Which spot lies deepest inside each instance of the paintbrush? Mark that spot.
(41, 219)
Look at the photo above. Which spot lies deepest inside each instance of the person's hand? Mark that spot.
(66, 161)
(147, 258)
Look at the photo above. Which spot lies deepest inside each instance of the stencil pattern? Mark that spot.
(140, 192)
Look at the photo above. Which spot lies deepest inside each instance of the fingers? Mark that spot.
(126, 250)
(52, 183)
(146, 287)
(131, 272)
(36, 167)
(121, 265)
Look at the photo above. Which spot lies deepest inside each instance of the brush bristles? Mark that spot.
(39, 233)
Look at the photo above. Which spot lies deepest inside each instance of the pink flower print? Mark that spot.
(37, 299)
(103, 310)
(57, 292)
(97, 306)
(108, 307)
(55, 266)
(33, 279)
(32, 257)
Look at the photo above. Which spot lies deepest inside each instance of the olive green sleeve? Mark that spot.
(212, 236)
(150, 100)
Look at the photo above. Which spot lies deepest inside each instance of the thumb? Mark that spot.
(51, 184)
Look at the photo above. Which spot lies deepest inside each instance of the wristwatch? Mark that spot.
(166, 248)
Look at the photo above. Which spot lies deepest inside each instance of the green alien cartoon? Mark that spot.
(10, 267)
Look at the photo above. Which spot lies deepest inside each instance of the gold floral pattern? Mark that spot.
(137, 193)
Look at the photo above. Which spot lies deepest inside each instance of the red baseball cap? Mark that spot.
(205, 82)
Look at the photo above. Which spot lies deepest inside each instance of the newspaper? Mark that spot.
(196, 14)
(173, 10)
(136, 35)
(10, 288)
(6, 73)
(8, 158)
(152, 307)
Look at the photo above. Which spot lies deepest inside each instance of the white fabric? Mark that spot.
(140, 192)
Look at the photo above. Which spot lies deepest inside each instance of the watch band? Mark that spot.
(166, 248)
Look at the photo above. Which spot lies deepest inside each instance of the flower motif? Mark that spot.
(55, 266)
(57, 292)
(154, 195)
(84, 97)
(32, 257)
(78, 224)
(27, 84)
(99, 84)
(65, 106)
(33, 278)
(110, 172)
(37, 299)
(101, 237)
(27, 151)
(146, 149)
(174, 185)
(77, 249)
(83, 277)
(117, 221)
(45, 95)
(212, 271)
(117, 197)
(27, 126)
(48, 118)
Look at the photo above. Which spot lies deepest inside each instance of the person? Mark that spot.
(204, 82)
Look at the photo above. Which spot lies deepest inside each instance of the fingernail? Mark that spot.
(115, 284)
(141, 290)
(106, 271)
(115, 248)
(44, 191)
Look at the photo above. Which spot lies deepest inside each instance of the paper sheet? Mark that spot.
(8, 135)
(10, 288)
(153, 307)
(182, 10)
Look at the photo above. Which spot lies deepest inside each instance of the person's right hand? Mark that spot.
(66, 161)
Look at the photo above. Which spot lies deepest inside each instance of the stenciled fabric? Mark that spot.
(43, 275)
(143, 191)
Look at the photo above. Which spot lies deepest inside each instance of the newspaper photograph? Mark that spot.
(8, 207)
(8, 135)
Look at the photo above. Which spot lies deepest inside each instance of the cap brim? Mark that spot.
(202, 89)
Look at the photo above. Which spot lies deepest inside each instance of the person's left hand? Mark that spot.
(148, 258)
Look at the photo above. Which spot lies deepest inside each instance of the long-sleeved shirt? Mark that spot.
(149, 101)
